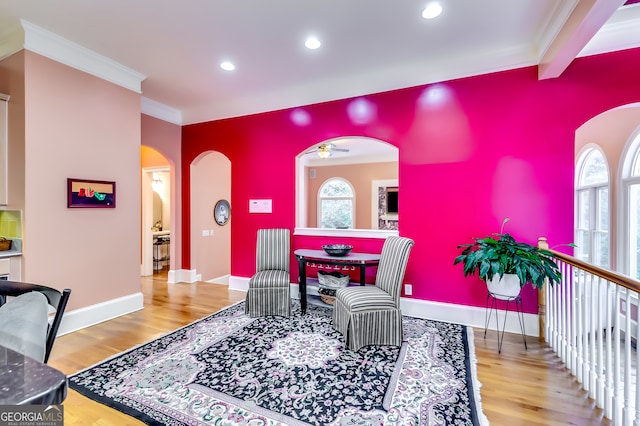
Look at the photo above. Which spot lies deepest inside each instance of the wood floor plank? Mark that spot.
(519, 387)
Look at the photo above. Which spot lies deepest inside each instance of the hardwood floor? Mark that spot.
(519, 387)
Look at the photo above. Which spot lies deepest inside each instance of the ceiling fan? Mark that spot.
(324, 150)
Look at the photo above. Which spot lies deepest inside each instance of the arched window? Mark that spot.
(592, 209)
(336, 204)
(631, 186)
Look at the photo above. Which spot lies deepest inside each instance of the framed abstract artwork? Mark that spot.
(88, 193)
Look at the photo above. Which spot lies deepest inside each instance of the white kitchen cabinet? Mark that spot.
(16, 268)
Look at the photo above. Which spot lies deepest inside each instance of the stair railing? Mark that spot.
(590, 320)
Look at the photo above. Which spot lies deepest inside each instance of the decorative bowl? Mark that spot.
(337, 249)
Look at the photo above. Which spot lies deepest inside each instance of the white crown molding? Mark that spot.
(160, 111)
(556, 22)
(621, 32)
(59, 49)
(326, 90)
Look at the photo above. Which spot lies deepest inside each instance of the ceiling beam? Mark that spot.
(584, 22)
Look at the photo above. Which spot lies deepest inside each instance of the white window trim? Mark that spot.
(624, 177)
(319, 198)
(593, 192)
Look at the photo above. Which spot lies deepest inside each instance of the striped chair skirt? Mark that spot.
(367, 316)
(269, 294)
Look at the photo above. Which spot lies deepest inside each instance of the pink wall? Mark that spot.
(472, 152)
(80, 126)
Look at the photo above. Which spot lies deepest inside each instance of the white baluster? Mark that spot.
(608, 393)
(580, 300)
(593, 306)
(551, 330)
(564, 325)
(634, 370)
(617, 385)
(598, 335)
(574, 303)
(626, 410)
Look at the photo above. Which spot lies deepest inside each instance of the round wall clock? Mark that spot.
(222, 212)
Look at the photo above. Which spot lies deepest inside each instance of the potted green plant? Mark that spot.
(500, 260)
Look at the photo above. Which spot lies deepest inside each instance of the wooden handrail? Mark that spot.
(614, 277)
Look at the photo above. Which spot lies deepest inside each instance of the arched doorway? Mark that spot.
(210, 241)
(156, 212)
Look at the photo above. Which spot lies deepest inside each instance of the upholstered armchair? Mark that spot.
(269, 288)
(371, 315)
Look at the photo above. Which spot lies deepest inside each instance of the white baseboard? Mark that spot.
(459, 314)
(473, 316)
(239, 283)
(182, 276)
(224, 279)
(95, 314)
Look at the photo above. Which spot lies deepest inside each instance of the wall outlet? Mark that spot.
(205, 233)
(408, 289)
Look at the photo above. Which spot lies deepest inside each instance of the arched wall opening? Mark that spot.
(210, 182)
(613, 132)
(368, 164)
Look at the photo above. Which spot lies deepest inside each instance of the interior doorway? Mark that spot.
(155, 239)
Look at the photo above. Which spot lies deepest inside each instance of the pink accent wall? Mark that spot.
(472, 152)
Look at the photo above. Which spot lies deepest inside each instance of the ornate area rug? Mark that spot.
(229, 369)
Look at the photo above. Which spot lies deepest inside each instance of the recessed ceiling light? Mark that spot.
(433, 10)
(312, 43)
(227, 66)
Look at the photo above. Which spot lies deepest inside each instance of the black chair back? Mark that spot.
(58, 300)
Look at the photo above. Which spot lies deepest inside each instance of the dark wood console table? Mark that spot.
(304, 256)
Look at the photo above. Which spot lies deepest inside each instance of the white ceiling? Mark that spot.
(368, 46)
